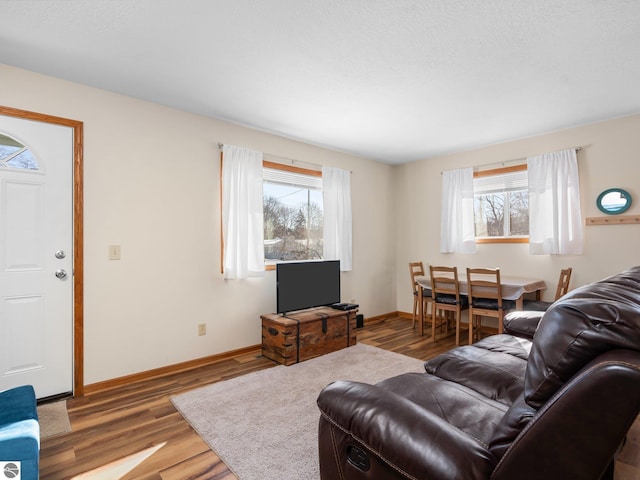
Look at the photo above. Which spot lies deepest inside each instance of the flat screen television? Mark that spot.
(301, 285)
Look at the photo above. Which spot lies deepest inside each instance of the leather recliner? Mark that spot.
(555, 405)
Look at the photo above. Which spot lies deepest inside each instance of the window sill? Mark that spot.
(503, 240)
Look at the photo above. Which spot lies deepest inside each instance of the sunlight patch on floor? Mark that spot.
(119, 468)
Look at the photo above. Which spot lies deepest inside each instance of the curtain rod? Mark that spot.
(514, 160)
(278, 157)
(577, 149)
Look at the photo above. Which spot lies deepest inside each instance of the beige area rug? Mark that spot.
(53, 419)
(264, 425)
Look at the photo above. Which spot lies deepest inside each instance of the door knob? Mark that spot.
(60, 254)
(61, 274)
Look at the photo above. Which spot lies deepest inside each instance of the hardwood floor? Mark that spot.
(110, 425)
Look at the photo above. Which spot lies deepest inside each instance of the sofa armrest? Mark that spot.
(17, 403)
(411, 440)
(578, 430)
(522, 323)
(19, 430)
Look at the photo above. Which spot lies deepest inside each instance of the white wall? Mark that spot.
(151, 184)
(609, 158)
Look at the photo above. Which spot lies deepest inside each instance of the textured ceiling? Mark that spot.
(392, 80)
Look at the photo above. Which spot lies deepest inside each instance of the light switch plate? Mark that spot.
(114, 252)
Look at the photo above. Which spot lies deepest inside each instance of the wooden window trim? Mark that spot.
(291, 168)
(502, 240)
(499, 171)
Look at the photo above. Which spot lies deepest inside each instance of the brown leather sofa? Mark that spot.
(507, 407)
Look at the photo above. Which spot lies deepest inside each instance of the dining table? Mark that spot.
(513, 288)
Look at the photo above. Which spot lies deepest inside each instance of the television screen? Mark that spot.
(302, 285)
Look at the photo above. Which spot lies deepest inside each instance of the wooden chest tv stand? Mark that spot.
(304, 334)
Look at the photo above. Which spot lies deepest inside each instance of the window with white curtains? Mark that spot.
(555, 225)
(290, 223)
(242, 220)
(545, 194)
(337, 216)
(457, 224)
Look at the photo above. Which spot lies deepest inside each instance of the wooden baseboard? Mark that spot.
(388, 315)
(168, 370)
(199, 362)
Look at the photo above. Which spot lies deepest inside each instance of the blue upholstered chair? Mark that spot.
(20, 431)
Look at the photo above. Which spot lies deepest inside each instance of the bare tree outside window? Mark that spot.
(293, 222)
(501, 205)
(489, 214)
(519, 213)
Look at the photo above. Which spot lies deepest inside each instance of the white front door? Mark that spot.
(36, 256)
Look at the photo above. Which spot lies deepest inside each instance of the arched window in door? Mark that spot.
(14, 154)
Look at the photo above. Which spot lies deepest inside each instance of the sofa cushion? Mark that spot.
(505, 343)
(589, 321)
(465, 409)
(493, 367)
(371, 432)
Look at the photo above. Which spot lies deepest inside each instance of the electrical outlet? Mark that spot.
(202, 329)
(114, 252)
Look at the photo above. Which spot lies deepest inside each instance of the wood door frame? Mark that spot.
(78, 238)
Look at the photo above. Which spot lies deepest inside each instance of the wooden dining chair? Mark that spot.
(485, 298)
(561, 291)
(446, 296)
(416, 269)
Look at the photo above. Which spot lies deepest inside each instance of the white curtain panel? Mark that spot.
(457, 230)
(336, 198)
(242, 217)
(555, 219)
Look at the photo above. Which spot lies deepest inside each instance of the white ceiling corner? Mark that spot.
(392, 80)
